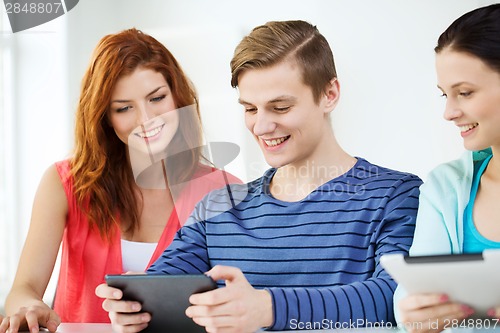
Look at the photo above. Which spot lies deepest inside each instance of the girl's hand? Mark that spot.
(494, 312)
(31, 318)
(429, 313)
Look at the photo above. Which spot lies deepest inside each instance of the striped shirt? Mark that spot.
(319, 257)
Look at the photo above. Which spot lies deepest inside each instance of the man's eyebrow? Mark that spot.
(283, 98)
(243, 102)
(126, 100)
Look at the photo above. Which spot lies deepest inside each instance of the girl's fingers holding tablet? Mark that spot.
(418, 301)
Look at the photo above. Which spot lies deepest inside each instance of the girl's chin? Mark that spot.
(475, 147)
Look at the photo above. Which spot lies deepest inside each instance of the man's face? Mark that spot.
(282, 115)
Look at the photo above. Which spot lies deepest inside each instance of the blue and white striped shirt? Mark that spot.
(319, 257)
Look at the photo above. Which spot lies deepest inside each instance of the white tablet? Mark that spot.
(472, 279)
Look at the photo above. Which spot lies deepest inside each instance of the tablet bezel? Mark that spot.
(165, 297)
(471, 279)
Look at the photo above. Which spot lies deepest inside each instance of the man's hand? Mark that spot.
(124, 315)
(238, 307)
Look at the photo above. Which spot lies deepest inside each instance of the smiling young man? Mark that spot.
(300, 248)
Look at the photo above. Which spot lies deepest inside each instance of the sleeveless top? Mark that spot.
(86, 258)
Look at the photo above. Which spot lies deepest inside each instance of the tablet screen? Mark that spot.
(165, 297)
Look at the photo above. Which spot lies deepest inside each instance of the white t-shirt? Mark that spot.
(136, 255)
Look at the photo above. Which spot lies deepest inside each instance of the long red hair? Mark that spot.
(103, 180)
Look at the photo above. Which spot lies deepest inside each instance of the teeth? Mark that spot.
(468, 127)
(275, 142)
(150, 133)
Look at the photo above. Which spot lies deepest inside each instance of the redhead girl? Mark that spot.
(113, 205)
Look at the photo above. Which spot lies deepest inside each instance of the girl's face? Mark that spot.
(472, 91)
(143, 112)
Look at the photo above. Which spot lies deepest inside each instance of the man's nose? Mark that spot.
(264, 123)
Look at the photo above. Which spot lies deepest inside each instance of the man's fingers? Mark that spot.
(209, 311)
(105, 291)
(219, 272)
(213, 297)
(129, 319)
(110, 305)
(129, 323)
(218, 322)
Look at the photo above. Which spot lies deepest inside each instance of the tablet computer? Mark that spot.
(165, 297)
(472, 279)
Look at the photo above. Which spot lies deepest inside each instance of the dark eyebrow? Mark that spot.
(126, 101)
(243, 102)
(284, 98)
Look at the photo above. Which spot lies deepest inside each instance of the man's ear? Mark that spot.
(332, 95)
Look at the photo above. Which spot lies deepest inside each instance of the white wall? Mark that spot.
(389, 113)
